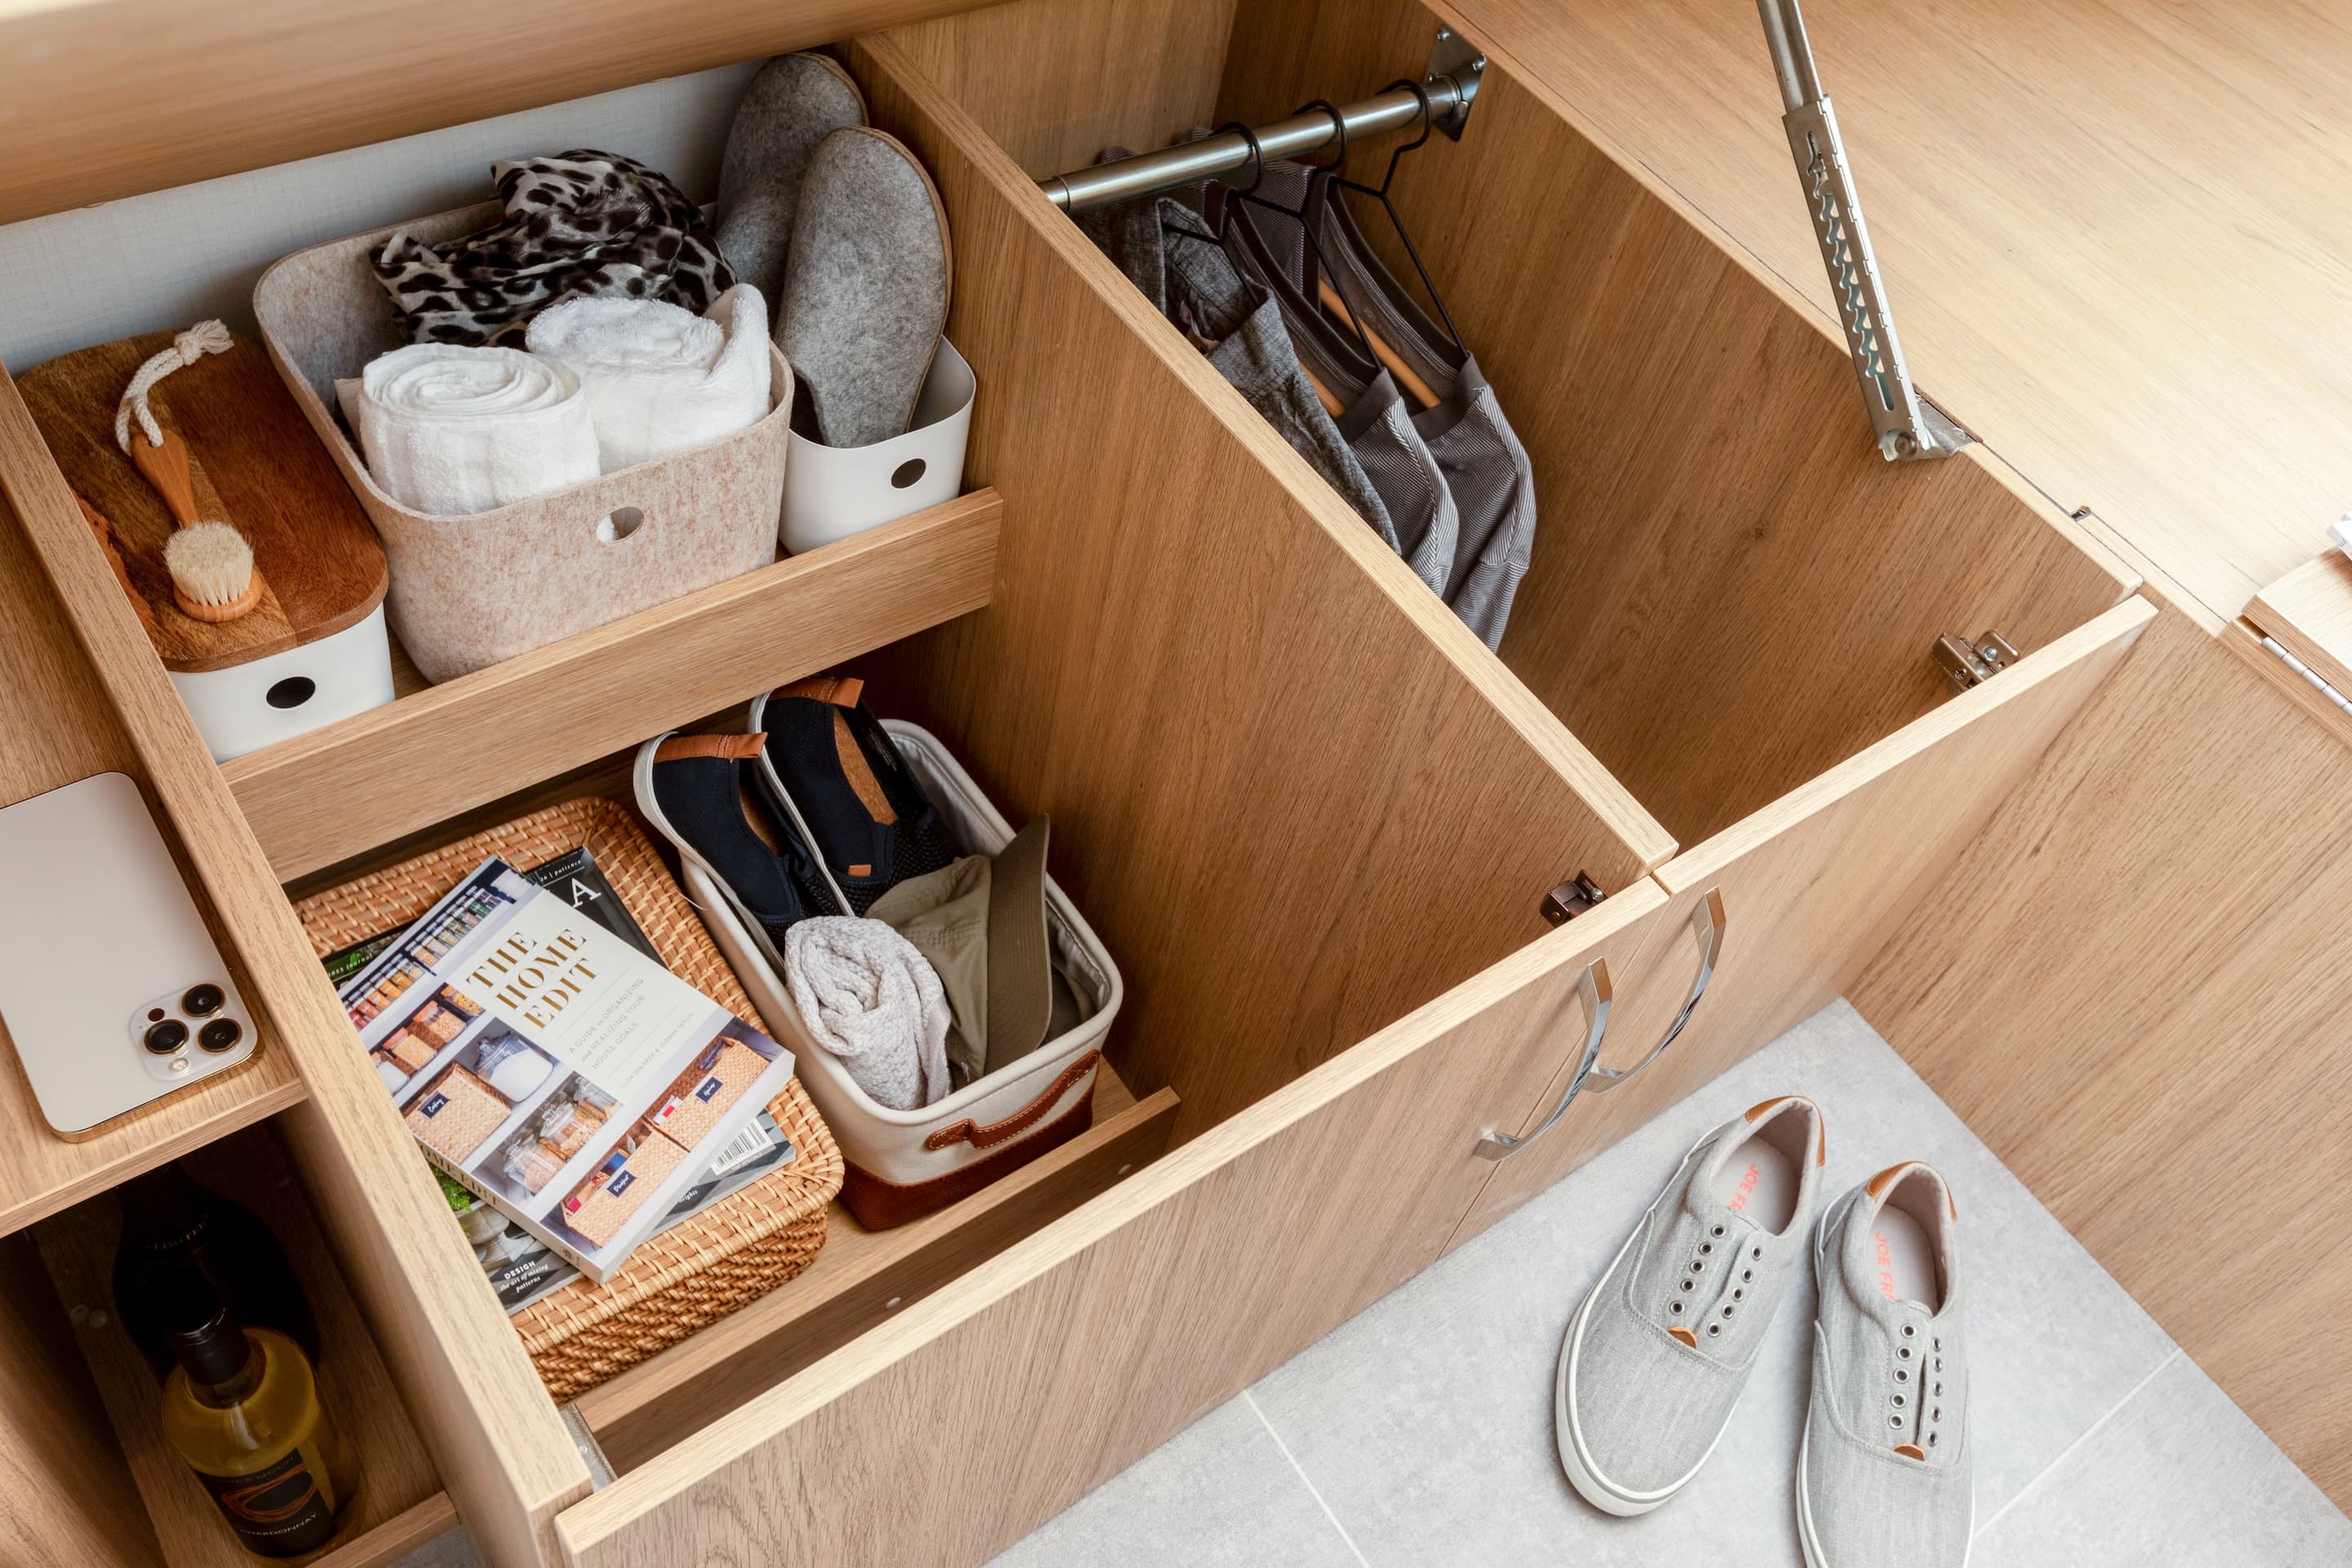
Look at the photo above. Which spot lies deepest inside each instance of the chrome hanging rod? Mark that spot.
(1451, 85)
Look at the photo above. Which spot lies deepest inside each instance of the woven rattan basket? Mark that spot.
(692, 1276)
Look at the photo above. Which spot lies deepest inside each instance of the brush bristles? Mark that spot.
(210, 563)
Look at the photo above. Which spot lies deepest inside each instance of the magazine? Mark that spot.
(521, 1268)
(550, 1067)
(573, 874)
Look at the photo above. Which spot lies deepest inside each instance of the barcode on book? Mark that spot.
(749, 1144)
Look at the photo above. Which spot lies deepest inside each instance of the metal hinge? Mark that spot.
(2317, 681)
(1571, 898)
(1905, 425)
(1966, 664)
(1459, 63)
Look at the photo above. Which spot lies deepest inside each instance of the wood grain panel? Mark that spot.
(56, 725)
(327, 795)
(493, 1434)
(1059, 1362)
(111, 97)
(1731, 591)
(2107, 289)
(79, 1248)
(1812, 887)
(2140, 1010)
(1296, 797)
(861, 1278)
(2309, 611)
(70, 1499)
(1054, 82)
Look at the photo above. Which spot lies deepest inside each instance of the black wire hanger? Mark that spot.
(1380, 195)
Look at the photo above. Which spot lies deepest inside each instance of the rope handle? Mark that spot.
(187, 348)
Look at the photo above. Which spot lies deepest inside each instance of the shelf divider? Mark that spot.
(337, 792)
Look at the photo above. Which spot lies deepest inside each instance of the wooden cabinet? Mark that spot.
(1310, 814)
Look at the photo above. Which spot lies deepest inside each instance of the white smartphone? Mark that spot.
(111, 992)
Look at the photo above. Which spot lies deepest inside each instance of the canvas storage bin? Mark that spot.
(470, 591)
(903, 1164)
(831, 492)
(686, 1277)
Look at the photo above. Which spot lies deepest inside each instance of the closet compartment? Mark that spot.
(1313, 818)
(1697, 448)
(399, 1504)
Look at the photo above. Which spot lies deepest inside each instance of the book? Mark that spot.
(549, 1065)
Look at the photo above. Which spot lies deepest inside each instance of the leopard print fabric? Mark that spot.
(581, 223)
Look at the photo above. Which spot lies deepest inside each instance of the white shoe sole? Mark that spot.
(1592, 1487)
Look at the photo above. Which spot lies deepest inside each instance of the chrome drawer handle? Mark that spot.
(1706, 919)
(1594, 989)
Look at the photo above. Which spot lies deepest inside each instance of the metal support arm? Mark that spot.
(1906, 425)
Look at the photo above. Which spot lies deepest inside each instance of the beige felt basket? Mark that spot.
(469, 591)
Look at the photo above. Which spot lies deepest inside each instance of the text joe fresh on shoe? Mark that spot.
(552, 1068)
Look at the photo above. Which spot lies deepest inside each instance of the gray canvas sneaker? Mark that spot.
(1883, 1475)
(1655, 1357)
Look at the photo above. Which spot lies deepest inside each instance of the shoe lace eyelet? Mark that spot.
(1938, 1344)
(1896, 1421)
(1726, 1308)
(1718, 1231)
(1903, 1353)
(1908, 1330)
(1901, 1376)
(1898, 1401)
(1689, 1283)
(1713, 1329)
(1939, 1363)
(1759, 1252)
(1745, 1275)
(1936, 1413)
(1931, 1439)
(1737, 1294)
(1704, 1247)
(1674, 1307)
(1697, 1266)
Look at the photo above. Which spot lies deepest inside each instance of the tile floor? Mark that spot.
(1420, 1432)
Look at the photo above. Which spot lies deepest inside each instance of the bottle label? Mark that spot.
(280, 1511)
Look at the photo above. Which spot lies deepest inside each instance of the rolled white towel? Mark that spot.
(659, 378)
(452, 430)
(869, 996)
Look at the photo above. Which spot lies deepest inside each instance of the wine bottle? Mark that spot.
(170, 1224)
(242, 1409)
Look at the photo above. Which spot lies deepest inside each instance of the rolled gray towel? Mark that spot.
(869, 997)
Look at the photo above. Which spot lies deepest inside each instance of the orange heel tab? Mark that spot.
(840, 691)
(728, 747)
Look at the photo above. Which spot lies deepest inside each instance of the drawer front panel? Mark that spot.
(1810, 887)
(1049, 1369)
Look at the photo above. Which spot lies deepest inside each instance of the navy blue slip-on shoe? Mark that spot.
(705, 796)
(837, 773)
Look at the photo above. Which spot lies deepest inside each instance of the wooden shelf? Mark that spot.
(60, 726)
(399, 1505)
(862, 1277)
(104, 103)
(337, 792)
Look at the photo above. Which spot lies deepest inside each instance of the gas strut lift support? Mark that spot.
(1906, 425)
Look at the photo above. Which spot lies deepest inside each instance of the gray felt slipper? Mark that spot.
(866, 286)
(795, 102)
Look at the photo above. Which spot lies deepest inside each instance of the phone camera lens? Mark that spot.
(203, 1001)
(165, 1037)
(220, 1035)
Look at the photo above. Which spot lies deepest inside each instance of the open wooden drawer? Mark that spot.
(1728, 632)
(1313, 818)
